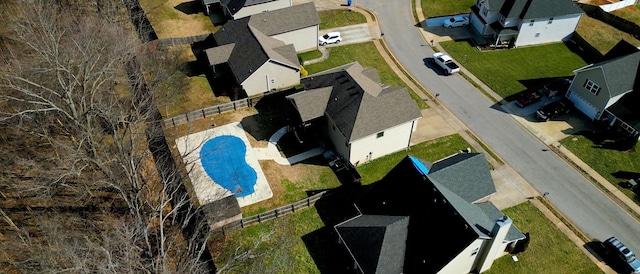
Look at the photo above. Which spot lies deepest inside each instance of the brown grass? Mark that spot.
(168, 21)
(602, 36)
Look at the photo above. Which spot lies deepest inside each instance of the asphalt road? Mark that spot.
(571, 193)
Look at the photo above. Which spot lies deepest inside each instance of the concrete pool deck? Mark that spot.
(205, 188)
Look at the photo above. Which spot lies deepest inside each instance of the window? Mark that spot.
(475, 251)
(531, 22)
(380, 134)
(485, 11)
(537, 35)
(550, 20)
(591, 86)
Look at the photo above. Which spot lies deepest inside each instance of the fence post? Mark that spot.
(203, 114)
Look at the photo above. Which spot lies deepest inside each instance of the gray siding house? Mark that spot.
(607, 90)
(427, 217)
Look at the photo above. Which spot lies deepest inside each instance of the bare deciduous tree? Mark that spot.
(77, 139)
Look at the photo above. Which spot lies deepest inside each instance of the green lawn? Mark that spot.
(368, 56)
(435, 8)
(299, 235)
(340, 18)
(550, 251)
(430, 151)
(607, 162)
(510, 71)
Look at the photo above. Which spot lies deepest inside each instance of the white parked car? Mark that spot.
(456, 21)
(446, 63)
(330, 38)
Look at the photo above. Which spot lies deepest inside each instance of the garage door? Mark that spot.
(584, 106)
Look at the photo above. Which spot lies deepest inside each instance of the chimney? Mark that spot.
(494, 248)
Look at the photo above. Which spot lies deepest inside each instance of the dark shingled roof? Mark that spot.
(466, 174)
(311, 104)
(360, 106)
(532, 9)
(621, 73)
(377, 243)
(407, 191)
(286, 19)
(251, 49)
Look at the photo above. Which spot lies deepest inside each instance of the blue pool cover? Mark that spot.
(223, 159)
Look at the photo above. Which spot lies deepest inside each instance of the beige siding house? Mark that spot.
(259, 52)
(364, 118)
(297, 25)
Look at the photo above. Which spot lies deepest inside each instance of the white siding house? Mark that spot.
(525, 22)
(382, 143)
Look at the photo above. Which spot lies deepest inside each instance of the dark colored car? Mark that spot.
(528, 97)
(615, 247)
(557, 87)
(554, 109)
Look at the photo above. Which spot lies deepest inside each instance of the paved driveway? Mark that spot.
(351, 34)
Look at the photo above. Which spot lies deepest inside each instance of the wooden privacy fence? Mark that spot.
(182, 40)
(275, 213)
(209, 111)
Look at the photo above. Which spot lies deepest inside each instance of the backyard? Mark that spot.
(311, 247)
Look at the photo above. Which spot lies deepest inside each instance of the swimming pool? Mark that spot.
(224, 160)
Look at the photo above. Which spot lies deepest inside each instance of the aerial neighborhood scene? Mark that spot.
(320, 136)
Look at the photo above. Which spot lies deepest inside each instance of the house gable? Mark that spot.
(407, 190)
(376, 242)
(602, 84)
(465, 174)
(354, 108)
(286, 20)
(246, 50)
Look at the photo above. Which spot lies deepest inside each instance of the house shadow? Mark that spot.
(322, 244)
(189, 8)
(626, 175)
(607, 139)
(327, 253)
(274, 113)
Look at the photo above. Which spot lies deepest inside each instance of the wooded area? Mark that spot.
(87, 180)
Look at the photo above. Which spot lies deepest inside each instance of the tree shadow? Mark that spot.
(192, 7)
